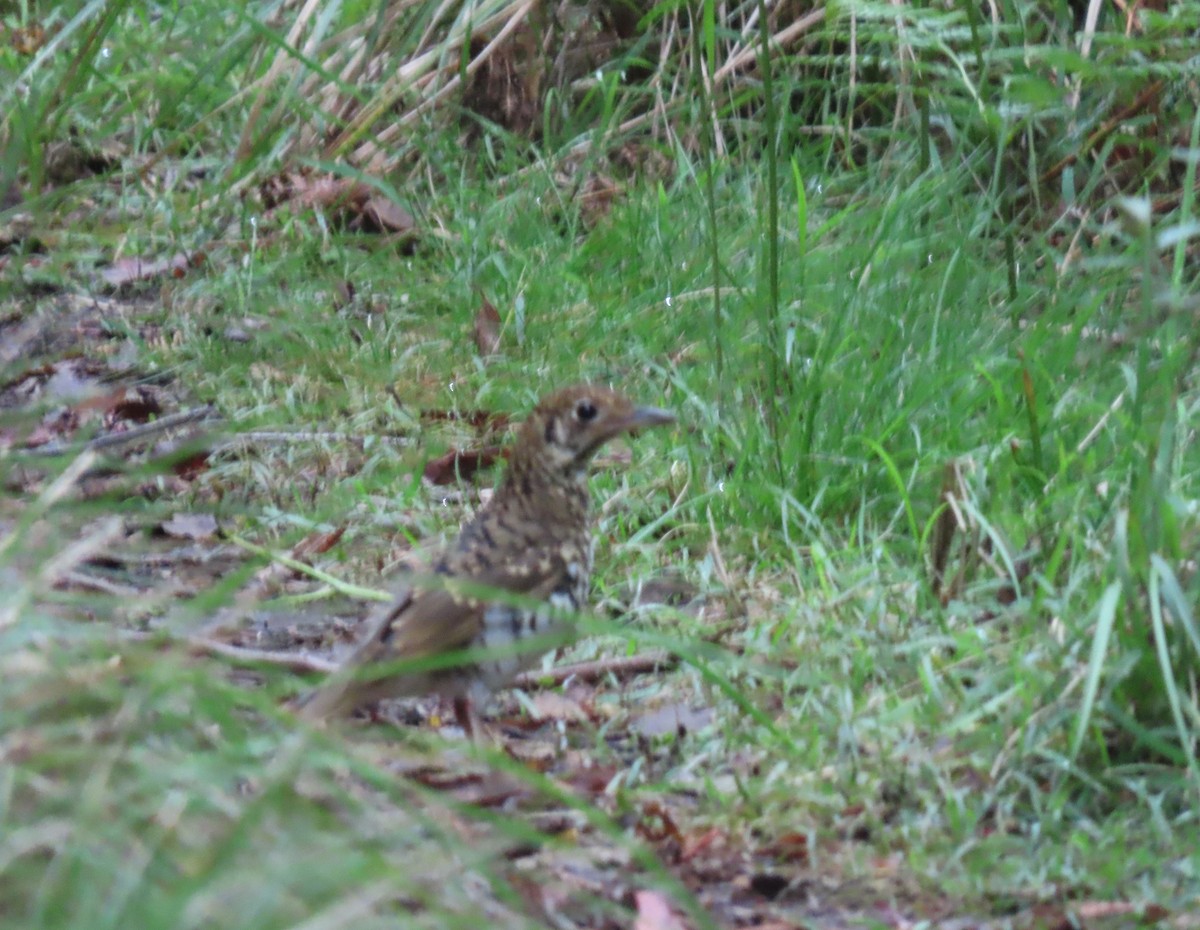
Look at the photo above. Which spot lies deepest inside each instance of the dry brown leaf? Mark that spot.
(790, 847)
(698, 844)
(182, 456)
(487, 789)
(1099, 910)
(317, 543)
(195, 526)
(677, 718)
(591, 780)
(457, 465)
(382, 215)
(549, 705)
(128, 270)
(657, 825)
(137, 403)
(354, 204)
(28, 40)
(487, 328)
(654, 912)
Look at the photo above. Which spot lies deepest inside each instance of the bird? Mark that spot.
(501, 594)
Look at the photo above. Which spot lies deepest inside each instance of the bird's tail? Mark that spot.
(351, 686)
(332, 699)
(345, 692)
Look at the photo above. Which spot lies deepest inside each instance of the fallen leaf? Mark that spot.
(654, 912)
(535, 755)
(195, 526)
(128, 270)
(656, 824)
(317, 543)
(353, 204)
(1099, 910)
(137, 403)
(27, 40)
(549, 705)
(487, 789)
(790, 847)
(306, 190)
(592, 779)
(487, 328)
(383, 215)
(192, 466)
(457, 465)
(704, 842)
(185, 456)
(677, 718)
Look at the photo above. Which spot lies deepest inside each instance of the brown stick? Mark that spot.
(202, 645)
(1106, 129)
(133, 434)
(621, 666)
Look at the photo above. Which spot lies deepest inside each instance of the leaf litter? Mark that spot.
(575, 724)
(487, 328)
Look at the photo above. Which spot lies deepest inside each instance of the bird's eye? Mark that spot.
(585, 410)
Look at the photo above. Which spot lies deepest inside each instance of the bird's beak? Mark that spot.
(644, 417)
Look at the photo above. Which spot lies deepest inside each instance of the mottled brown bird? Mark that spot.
(532, 541)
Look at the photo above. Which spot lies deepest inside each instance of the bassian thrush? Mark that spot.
(532, 540)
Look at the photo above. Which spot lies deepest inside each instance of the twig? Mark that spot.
(780, 40)
(77, 579)
(202, 645)
(286, 436)
(133, 434)
(621, 666)
(295, 661)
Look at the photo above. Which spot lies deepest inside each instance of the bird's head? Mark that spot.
(567, 427)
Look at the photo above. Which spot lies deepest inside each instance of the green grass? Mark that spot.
(946, 293)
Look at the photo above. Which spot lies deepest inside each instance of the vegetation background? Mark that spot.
(912, 587)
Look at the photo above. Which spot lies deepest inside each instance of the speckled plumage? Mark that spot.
(532, 540)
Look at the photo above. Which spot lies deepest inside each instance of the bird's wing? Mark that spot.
(443, 619)
(431, 622)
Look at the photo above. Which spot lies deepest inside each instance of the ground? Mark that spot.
(895, 628)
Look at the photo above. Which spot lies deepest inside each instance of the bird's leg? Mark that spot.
(464, 713)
